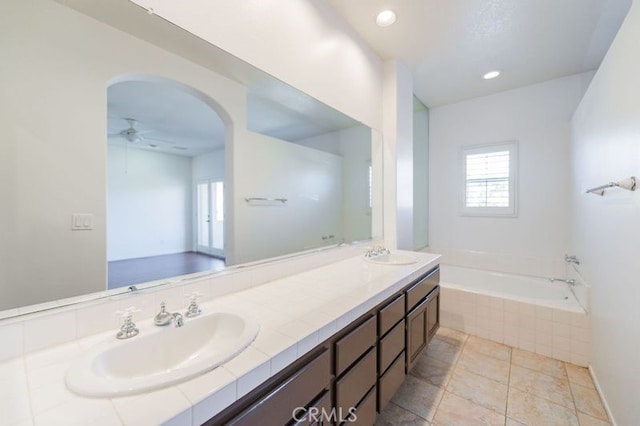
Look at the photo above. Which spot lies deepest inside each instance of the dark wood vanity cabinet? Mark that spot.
(353, 375)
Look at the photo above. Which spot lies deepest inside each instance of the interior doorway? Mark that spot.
(210, 217)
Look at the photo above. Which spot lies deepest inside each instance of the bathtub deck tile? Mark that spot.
(468, 387)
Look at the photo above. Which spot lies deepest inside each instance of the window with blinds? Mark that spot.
(489, 180)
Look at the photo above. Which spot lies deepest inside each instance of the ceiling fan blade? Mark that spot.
(153, 138)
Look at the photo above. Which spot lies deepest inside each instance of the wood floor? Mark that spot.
(134, 271)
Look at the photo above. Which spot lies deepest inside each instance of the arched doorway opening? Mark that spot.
(165, 180)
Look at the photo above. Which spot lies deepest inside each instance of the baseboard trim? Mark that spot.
(602, 397)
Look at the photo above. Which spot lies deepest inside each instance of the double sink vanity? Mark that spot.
(326, 346)
(353, 375)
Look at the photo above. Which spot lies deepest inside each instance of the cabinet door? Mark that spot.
(417, 333)
(433, 313)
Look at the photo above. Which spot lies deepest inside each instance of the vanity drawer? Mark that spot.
(390, 315)
(278, 406)
(420, 290)
(354, 385)
(390, 382)
(317, 414)
(365, 412)
(350, 347)
(390, 346)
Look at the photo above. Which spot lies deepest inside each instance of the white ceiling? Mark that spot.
(450, 44)
(169, 118)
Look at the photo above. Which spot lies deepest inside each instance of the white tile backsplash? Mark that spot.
(50, 330)
(12, 338)
(502, 262)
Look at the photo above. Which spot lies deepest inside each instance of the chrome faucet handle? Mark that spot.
(128, 328)
(193, 310)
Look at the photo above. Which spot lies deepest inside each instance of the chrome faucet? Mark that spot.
(165, 318)
(570, 282)
(377, 251)
(571, 259)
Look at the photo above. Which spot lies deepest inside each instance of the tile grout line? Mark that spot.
(506, 403)
(453, 369)
(573, 398)
(545, 397)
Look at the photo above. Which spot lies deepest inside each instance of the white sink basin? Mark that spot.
(393, 259)
(164, 357)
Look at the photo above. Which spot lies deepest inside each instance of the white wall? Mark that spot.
(209, 166)
(149, 203)
(398, 155)
(420, 179)
(606, 230)
(354, 145)
(308, 52)
(309, 179)
(536, 116)
(53, 150)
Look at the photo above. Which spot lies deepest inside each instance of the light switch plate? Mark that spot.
(82, 222)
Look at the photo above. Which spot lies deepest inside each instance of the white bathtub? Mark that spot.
(521, 288)
(525, 312)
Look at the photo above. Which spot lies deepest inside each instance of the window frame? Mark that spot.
(512, 209)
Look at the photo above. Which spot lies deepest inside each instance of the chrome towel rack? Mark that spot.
(629, 184)
(281, 200)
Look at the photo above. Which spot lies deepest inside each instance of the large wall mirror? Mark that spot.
(133, 151)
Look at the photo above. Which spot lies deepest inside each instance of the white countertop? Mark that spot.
(296, 313)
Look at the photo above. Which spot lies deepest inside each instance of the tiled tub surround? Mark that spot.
(524, 312)
(296, 313)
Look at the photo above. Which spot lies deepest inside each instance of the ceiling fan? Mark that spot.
(131, 133)
(139, 137)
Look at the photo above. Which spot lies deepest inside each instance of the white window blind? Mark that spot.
(489, 180)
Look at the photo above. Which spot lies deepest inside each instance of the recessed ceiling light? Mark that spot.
(386, 18)
(491, 74)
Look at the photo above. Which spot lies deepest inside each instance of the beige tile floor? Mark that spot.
(465, 380)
